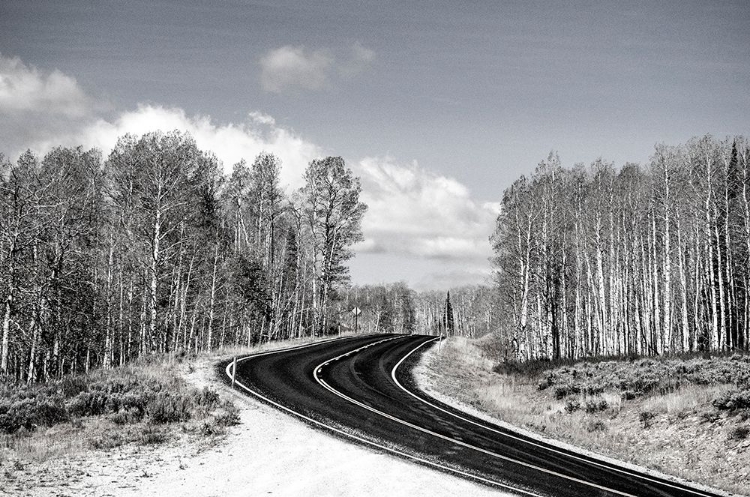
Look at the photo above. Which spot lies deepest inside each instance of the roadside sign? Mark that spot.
(356, 311)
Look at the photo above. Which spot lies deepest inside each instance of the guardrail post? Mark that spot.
(234, 370)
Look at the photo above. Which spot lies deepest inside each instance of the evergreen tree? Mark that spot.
(448, 323)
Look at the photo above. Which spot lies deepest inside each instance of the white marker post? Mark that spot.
(234, 370)
(356, 311)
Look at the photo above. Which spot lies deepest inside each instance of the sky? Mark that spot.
(437, 106)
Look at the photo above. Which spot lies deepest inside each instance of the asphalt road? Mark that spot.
(360, 388)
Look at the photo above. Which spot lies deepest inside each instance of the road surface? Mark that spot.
(360, 388)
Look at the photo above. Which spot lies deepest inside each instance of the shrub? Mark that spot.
(168, 408)
(733, 400)
(646, 418)
(739, 433)
(628, 395)
(710, 417)
(126, 416)
(134, 403)
(564, 390)
(210, 428)
(88, 403)
(596, 405)
(572, 406)
(230, 415)
(206, 398)
(28, 413)
(592, 389)
(152, 436)
(597, 425)
(70, 386)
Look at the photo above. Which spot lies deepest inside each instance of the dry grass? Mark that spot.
(198, 417)
(143, 404)
(674, 430)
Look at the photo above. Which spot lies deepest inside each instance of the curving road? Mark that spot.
(361, 388)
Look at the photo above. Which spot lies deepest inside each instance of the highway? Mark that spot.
(361, 389)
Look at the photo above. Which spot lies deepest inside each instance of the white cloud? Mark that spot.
(297, 68)
(43, 110)
(24, 89)
(230, 142)
(415, 212)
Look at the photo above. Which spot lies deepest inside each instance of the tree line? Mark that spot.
(648, 259)
(468, 311)
(154, 249)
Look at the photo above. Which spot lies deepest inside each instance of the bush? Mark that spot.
(739, 433)
(733, 400)
(596, 405)
(710, 417)
(152, 436)
(88, 403)
(168, 408)
(572, 406)
(135, 403)
(206, 398)
(646, 418)
(70, 386)
(28, 413)
(564, 390)
(211, 428)
(629, 395)
(126, 416)
(597, 425)
(230, 415)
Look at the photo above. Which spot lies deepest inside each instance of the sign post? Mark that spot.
(356, 311)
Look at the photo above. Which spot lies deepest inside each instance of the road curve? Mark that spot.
(361, 388)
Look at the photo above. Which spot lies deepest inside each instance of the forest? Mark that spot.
(642, 260)
(155, 250)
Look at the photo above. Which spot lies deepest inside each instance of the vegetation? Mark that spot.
(154, 250)
(644, 260)
(686, 416)
(155, 395)
(469, 311)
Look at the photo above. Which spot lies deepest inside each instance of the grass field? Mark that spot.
(689, 417)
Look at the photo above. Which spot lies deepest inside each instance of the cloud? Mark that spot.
(43, 110)
(230, 142)
(291, 68)
(415, 212)
(294, 67)
(24, 89)
(360, 58)
(36, 105)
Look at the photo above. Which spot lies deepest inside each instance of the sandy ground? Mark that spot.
(269, 453)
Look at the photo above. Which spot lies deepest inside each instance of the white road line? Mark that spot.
(355, 437)
(457, 442)
(550, 448)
